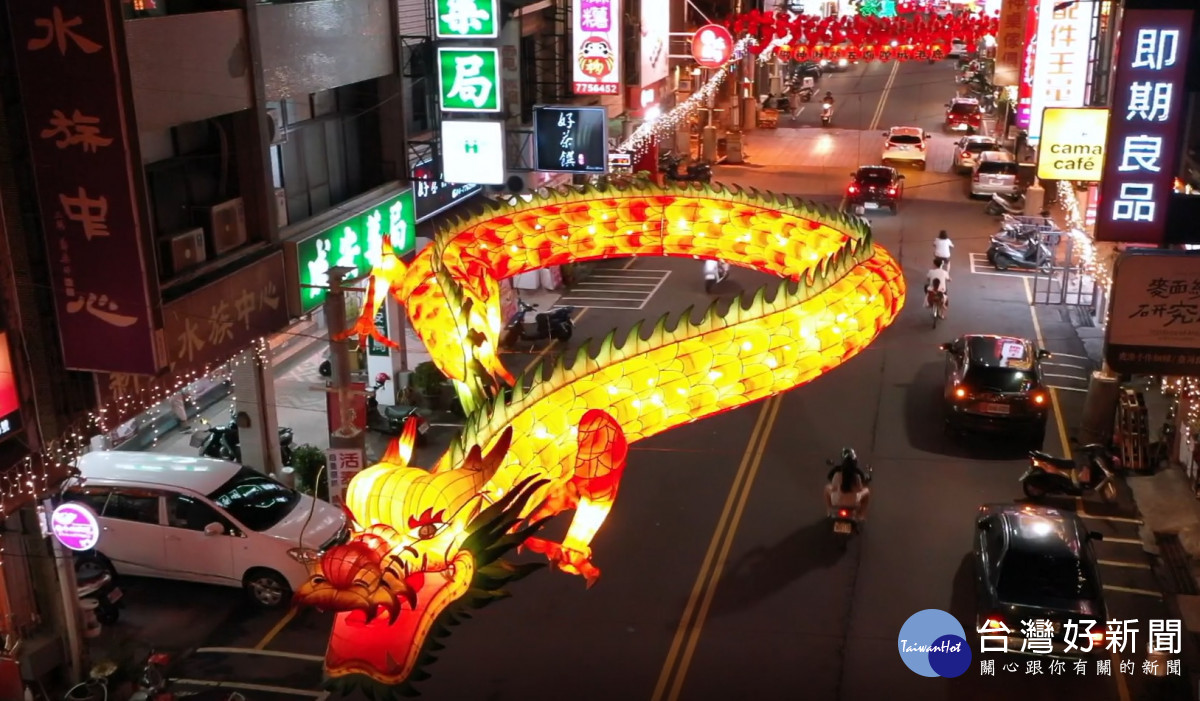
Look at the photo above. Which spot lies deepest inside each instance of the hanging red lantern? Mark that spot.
(885, 54)
(818, 52)
(784, 53)
(868, 53)
(801, 53)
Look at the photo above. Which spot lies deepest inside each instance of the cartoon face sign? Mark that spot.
(595, 57)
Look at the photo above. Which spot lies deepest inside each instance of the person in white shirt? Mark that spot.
(941, 249)
(937, 273)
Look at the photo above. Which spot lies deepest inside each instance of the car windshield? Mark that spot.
(987, 379)
(875, 176)
(254, 499)
(964, 108)
(905, 139)
(998, 168)
(1037, 579)
(980, 146)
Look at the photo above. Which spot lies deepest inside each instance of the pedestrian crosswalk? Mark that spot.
(1067, 372)
(615, 288)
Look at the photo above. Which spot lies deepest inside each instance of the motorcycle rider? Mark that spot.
(847, 477)
(937, 275)
(941, 248)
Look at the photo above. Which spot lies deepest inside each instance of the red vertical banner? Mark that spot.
(1029, 55)
(83, 142)
(1093, 201)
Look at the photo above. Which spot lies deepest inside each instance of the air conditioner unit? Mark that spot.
(184, 251)
(281, 206)
(227, 226)
(275, 125)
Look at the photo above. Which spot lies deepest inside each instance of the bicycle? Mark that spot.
(95, 687)
(937, 305)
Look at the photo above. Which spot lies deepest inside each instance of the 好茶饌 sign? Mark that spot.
(570, 139)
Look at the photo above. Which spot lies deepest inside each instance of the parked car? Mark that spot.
(831, 65)
(994, 383)
(994, 172)
(1034, 563)
(875, 187)
(806, 69)
(204, 520)
(964, 114)
(958, 49)
(968, 148)
(905, 144)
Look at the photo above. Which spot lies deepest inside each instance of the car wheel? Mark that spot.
(921, 165)
(1032, 490)
(894, 207)
(267, 588)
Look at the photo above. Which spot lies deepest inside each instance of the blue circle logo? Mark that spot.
(934, 644)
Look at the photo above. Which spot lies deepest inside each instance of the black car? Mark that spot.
(1035, 570)
(806, 69)
(875, 187)
(994, 383)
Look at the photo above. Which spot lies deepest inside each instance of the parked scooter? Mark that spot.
(224, 442)
(555, 324)
(696, 172)
(715, 272)
(390, 419)
(826, 113)
(1006, 204)
(1034, 255)
(1048, 475)
(94, 581)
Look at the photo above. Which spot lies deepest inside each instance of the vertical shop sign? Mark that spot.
(1010, 41)
(1144, 127)
(1025, 87)
(466, 19)
(510, 69)
(655, 26)
(68, 57)
(596, 39)
(374, 347)
(10, 398)
(570, 139)
(1060, 73)
(341, 465)
(469, 79)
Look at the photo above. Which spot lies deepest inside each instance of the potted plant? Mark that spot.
(429, 382)
(308, 461)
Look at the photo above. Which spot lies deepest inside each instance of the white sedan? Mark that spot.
(905, 144)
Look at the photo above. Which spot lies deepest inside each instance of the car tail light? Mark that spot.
(843, 513)
(960, 392)
(891, 191)
(1039, 398)
(994, 622)
(1097, 638)
(852, 189)
(975, 177)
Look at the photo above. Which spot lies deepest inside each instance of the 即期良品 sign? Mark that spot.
(355, 243)
(1154, 325)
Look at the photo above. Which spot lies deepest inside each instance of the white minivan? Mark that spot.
(203, 520)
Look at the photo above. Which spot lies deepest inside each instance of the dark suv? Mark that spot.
(994, 383)
(1036, 570)
(875, 187)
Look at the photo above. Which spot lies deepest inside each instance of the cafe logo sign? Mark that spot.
(1072, 145)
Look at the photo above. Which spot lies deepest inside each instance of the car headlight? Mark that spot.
(305, 556)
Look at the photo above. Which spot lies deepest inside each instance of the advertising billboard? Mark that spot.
(1025, 87)
(434, 196)
(473, 152)
(10, 400)
(469, 79)
(1154, 325)
(1060, 65)
(570, 139)
(596, 47)
(1010, 42)
(655, 30)
(466, 19)
(712, 46)
(1144, 128)
(83, 149)
(1072, 146)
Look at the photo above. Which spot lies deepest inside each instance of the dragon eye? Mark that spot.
(318, 579)
(427, 531)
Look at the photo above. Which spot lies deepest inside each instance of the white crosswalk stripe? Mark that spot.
(615, 288)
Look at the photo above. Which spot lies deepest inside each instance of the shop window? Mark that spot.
(129, 505)
(95, 497)
(193, 514)
(419, 78)
(529, 81)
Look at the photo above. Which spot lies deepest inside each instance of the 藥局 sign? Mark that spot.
(355, 243)
(75, 525)
(1060, 71)
(466, 19)
(473, 152)
(1154, 325)
(1143, 133)
(596, 41)
(1072, 145)
(469, 79)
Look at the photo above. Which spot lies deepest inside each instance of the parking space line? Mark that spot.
(1068, 355)
(1068, 377)
(1133, 590)
(1069, 389)
(267, 688)
(1117, 563)
(253, 651)
(266, 640)
(1118, 519)
(1064, 365)
(979, 260)
(1122, 541)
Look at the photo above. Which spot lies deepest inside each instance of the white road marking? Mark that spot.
(1069, 389)
(252, 651)
(1068, 355)
(1116, 519)
(1123, 541)
(253, 687)
(1117, 563)
(1133, 590)
(979, 260)
(1064, 365)
(1069, 377)
(622, 288)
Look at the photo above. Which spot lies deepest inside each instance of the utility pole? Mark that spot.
(344, 433)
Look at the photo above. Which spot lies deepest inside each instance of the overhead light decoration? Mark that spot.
(429, 545)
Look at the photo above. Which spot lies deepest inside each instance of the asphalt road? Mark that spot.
(720, 577)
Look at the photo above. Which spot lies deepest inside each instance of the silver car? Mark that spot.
(967, 150)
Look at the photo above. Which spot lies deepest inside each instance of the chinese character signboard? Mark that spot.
(570, 139)
(712, 45)
(1143, 130)
(469, 79)
(1154, 325)
(374, 347)
(466, 19)
(596, 39)
(354, 243)
(341, 465)
(473, 152)
(653, 62)
(1072, 146)
(84, 156)
(433, 196)
(1029, 55)
(1060, 72)
(1010, 41)
(10, 399)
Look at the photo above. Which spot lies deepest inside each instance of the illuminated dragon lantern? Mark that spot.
(429, 545)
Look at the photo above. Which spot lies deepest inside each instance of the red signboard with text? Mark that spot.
(10, 400)
(1025, 87)
(1144, 127)
(68, 57)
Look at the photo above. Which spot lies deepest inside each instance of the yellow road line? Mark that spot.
(887, 87)
(1133, 590)
(287, 618)
(715, 575)
(1037, 329)
(702, 578)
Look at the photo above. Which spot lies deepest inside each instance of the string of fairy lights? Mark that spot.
(39, 473)
(1090, 260)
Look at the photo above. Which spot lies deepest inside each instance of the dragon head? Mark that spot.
(403, 580)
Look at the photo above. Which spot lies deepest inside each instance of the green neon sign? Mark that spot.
(469, 80)
(355, 243)
(467, 19)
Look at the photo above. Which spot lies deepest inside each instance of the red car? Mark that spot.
(964, 114)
